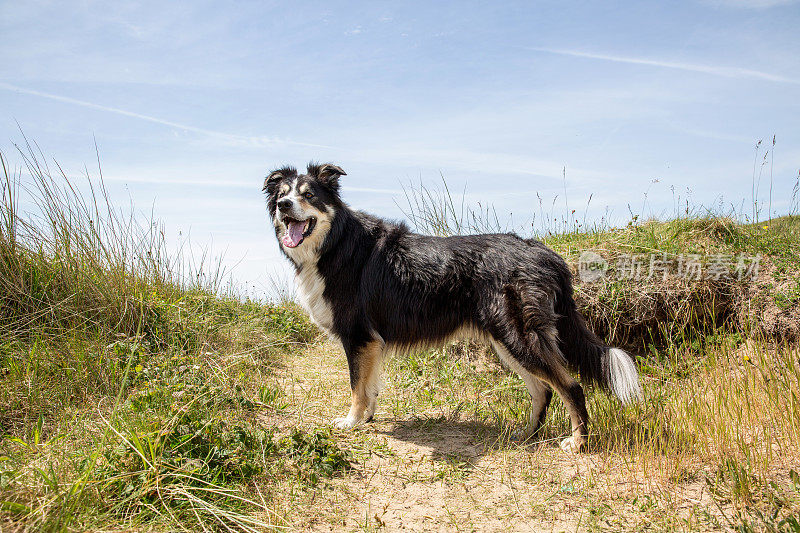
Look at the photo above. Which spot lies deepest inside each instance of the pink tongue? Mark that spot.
(294, 234)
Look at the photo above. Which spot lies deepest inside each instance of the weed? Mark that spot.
(288, 321)
(135, 395)
(315, 454)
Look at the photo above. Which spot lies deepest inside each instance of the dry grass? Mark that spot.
(136, 397)
(127, 381)
(710, 448)
(653, 310)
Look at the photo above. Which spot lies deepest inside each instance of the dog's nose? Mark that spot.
(284, 204)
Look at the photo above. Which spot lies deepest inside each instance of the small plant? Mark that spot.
(289, 322)
(315, 454)
(778, 517)
(272, 396)
(190, 466)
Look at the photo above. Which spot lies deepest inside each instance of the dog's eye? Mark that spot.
(308, 195)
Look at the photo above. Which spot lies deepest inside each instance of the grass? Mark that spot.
(130, 384)
(137, 395)
(756, 265)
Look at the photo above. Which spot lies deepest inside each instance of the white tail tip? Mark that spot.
(623, 379)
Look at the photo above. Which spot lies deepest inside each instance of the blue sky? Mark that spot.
(191, 103)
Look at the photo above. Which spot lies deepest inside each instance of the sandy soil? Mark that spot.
(434, 473)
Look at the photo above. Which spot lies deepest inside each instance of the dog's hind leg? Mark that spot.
(536, 355)
(365, 362)
(530, 334)
(540, 392)
(572, 394)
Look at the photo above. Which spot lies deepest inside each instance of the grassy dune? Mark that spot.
(136, 396)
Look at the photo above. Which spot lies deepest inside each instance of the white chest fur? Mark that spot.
(310, 287)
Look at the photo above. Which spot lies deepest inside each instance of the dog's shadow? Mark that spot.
(454, 440)
(450, 440)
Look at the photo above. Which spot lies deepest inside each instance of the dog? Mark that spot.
(376, 287)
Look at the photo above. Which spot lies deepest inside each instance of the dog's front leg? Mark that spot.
(364, 361)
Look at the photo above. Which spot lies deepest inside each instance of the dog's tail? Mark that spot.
(610, 368)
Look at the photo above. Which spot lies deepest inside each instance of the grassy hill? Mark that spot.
(134, 395)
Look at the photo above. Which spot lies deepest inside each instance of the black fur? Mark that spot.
(384, 282)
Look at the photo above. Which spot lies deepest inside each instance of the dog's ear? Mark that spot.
(271, 181)
(329, 175)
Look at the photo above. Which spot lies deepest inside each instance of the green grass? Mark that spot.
(136, 394)
(130, 383)
(645, 313)
(706, 234)
(641, 313)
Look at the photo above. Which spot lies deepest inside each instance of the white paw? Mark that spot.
(573, 444)
(346, 422)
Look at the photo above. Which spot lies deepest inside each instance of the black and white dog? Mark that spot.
(377, 287)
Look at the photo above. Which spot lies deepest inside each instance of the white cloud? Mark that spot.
(750, 4)
(227, 138)
(472, 161)
(728, 72)
(373, 190)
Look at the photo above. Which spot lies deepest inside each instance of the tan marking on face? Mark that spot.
(284, 188)
(301, 190)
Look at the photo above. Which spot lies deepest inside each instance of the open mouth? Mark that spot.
(297, 230)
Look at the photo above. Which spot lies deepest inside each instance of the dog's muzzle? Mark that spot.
(297, 230)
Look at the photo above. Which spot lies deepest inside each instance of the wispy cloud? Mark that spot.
(728, 72)
(238, 140)
(412, 156)
(751, 4)
(373, 190)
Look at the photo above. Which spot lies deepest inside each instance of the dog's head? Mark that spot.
(302, 207)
